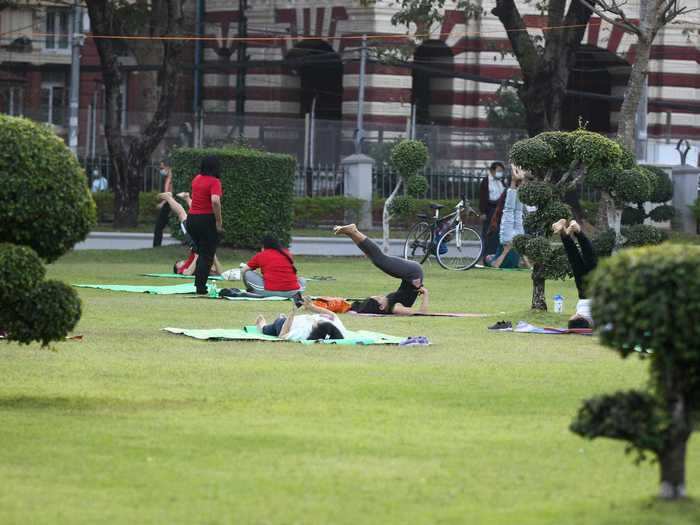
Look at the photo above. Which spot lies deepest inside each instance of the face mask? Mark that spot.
(163, 173)
(498, 174)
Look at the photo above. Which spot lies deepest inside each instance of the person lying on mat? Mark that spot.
(319, 324)
(399, 302)
(186, 266)
(582, 263)
(278, 275)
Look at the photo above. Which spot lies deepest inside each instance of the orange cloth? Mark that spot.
(336, 305)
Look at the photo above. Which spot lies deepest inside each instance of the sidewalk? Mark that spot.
(328, 246)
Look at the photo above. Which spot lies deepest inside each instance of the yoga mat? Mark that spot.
(187, 288)
(251, 333)
(430, 314)
(180, 276)
(526, 328)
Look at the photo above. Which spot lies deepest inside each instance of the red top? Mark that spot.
(188, 262)
(203, 187)
(277, 271)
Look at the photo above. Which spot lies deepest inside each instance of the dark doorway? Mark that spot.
(429, 59)
(595, 71)
(321, 73)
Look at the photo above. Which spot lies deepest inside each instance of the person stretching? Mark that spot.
(186, 266)
(319, 324)
(204, 221)
(582, 263)
(279, 275)
(511, 224)
(410, 273)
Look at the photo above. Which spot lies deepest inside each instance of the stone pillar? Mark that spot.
(685, 191)
(358, 184)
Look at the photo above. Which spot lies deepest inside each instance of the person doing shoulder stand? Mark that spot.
(204, 222)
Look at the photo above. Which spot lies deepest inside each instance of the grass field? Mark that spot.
(133, 425)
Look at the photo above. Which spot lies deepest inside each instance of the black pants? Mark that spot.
(161, 223)
(394, 266)
(202, 229)
(274, 328)
(583, 262)
(490, 242)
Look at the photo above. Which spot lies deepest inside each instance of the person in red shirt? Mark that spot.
(204, 222)
(279, 275)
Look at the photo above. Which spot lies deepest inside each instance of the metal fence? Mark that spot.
(446, 183)
(101, 166)
(321, 181)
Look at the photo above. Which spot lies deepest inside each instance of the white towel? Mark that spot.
(583, 309)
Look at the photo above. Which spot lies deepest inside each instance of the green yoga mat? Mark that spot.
(187, 288)
(180, 276)
(251, 333)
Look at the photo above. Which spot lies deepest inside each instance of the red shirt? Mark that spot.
(277, 271)
(203, 187)
(188, 262)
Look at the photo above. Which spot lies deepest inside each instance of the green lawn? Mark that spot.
(133, 425)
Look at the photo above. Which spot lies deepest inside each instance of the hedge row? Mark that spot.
(147, 206)
(258, 190)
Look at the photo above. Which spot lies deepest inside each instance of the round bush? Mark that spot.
(601, 177)
(627, 160)
(604, 242)
(561, 144)
(536, 193)
(532, 154)
(661, 184)
(538, 249)
(557, 264)
(662, 213)
(401, 205)
(417, 186)
(542, 220)
(46, 313)
(632, 216)
(648, 299)
(20, 271)
(642, 235)
(632, 186)
(44, 198)
(409, 157)
(593, 149)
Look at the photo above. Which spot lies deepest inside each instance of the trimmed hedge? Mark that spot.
(44, 199)
(312, 211)
(258, 191)
(148, 201)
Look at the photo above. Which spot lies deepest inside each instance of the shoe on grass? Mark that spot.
(502, 326)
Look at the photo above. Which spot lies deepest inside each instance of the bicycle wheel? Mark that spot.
(417, 246)
(459, 249)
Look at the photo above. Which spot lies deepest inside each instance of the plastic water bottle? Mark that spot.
(213, 290)
(558, 304)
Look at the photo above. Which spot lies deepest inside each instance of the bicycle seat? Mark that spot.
(434, 206)
(422, 215)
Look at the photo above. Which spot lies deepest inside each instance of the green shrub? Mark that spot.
(632, 186)
(47, 313)
(601, 177)
(604, 242)
(401, 205)
(311, 211)
(532, 154)
(642, 235)
(258, 191)
(417, 186)
(20, 271)
(536, 193)
(632, 215)
(409, 156)
(148, 210)
(646, 302)
(44, 199)
(596, 150)
(561, 144)
(661, 184)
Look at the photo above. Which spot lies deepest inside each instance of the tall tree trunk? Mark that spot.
(538, 288)
(633, 94)
(386, 216)
(672, 456)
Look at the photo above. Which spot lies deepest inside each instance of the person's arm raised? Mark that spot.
(400, 309)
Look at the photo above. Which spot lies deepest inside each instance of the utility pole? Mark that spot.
(197, 102)
(360, 132)
(242, 60)
(77, 40)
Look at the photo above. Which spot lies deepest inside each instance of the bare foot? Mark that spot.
(574, 227)
(345, 230)
(559, 226)
(260, 322)
(183, 195)
(164, 195)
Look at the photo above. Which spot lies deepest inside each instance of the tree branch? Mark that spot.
(520, 41)
(601, 8)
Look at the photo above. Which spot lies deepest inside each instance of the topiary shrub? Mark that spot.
(408, 157)
(45, 208)
(642, 235)
(313, 211)
(660, 193)
(258, 191)
(647, 302)
(532, 154)
(44, 198)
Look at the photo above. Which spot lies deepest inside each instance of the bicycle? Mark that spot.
(454, 245)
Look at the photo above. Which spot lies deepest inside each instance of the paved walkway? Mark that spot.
(329, 246)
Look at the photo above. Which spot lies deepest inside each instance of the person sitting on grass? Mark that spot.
(278, 277)
(410, 273)
(319, 324)
(582, 263)
(186, 266)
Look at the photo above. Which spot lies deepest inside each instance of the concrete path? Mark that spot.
(329, 246)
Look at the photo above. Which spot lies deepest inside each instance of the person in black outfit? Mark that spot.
(410, 273)
(204, 222)
(164, 207)
(582, 263)
(491, 191)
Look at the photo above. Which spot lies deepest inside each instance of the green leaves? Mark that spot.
(258, 191)
(409, 157)
(532, 154)
(632, 186)
(44, 199)
(417, 186)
